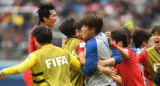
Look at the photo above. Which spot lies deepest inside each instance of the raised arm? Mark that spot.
(122, 52)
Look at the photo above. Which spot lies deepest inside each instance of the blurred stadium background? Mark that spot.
(17, 17)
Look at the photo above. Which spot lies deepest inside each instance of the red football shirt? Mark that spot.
(142, 58)
(27, 76)
(130, 70)
(81, 46)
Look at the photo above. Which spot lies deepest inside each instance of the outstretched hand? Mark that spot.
(108, 34)
(1, 75)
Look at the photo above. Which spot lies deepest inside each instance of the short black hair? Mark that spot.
(42, 34)
(93, 21)
(140, 35)
(155, 29)
(67, 27)
(44, 11)
(128, 32)
(120, 35)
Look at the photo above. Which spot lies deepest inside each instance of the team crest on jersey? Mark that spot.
(82, 45)
(29, 56)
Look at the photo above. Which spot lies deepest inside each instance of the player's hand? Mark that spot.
(108, 34)
(1, 76)
(63, 42)
(109, 72)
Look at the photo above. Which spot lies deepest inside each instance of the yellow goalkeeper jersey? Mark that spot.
(49, 65)
(77, 78)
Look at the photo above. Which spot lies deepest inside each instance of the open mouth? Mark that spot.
(156, 42)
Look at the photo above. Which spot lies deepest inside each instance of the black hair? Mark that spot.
(44, 11)
(128, 32)
(120, 35)
(67, 27)
(78, 25)
(155, 29)
(140, 35)
(93, 21)
(42, 34)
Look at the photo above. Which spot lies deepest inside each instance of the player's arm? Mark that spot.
(80, 51)
(122, 52)
(75, 63)
(18, 69)
(91, 58)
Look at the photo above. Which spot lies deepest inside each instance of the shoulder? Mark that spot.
(91, 43)
(151, 48)
(34, 27)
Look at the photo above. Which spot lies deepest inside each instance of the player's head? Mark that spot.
(78, 26)
(156, 36)
(67, 27)
(47, 14)
(42, 34)
(120, 38)
(92, 25)
(128, 32)
(141, 38)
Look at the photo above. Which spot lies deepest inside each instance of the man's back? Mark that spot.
(52, 67)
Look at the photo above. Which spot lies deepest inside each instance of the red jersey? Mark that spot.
(130, 70)
(150, 59)
(27, 76)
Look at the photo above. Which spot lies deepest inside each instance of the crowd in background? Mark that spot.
(17, 18)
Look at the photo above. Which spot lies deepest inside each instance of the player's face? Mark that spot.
(52, 19)
(79, 34)
(156, 39)
(86, 32)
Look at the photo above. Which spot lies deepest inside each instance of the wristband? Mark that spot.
(114, 45)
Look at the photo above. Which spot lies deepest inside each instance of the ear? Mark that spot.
(144, 43)
(45, 19)
(120, 43)
(93, 30)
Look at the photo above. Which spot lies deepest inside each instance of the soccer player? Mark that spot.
(75, 46)
(47, 16)
(129, 67)
(95, 49)
(50, 65)
(150, 57)
(78, 32)
(141, 39)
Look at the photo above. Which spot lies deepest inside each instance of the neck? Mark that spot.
(92, 36)
(158, 49)
(44, 44)
(42, 23)
(141, 47)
